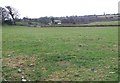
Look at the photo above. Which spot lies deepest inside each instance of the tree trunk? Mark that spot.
(13, 19)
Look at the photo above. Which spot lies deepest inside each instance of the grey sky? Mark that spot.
(39, 8)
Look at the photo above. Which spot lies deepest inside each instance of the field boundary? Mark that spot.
(80, 25)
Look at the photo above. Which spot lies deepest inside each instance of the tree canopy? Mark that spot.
(8, 13)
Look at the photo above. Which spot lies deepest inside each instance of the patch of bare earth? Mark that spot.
(18, 61)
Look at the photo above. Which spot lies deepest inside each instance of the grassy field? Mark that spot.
(92, 24)
(65, 53)
(105, 23)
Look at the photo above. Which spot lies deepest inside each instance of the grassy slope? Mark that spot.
(60, 53)
(89, 24)
(105, 23)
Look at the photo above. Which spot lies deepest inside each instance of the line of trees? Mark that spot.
(74, 19)
(10, 15)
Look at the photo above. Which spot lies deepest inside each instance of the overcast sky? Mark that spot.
(39, 8)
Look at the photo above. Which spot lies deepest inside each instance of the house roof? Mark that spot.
(57, 21)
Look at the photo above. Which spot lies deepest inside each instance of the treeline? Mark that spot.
(73, 19)
(10, 15)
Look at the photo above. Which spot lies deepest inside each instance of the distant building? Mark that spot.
(57, 21)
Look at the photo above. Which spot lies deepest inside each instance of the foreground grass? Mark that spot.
(65, 53)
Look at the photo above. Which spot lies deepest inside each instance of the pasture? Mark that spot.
(60, 54)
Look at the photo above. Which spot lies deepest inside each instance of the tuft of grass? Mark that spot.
(60, 54)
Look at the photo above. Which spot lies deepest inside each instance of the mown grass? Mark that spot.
(60, 54)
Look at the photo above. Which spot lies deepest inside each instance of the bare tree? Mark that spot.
(13, 13)
(4, 14)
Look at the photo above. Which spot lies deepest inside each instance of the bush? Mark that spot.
(9, 22)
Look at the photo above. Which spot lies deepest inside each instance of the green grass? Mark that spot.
(104, 23)
(65, 53)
